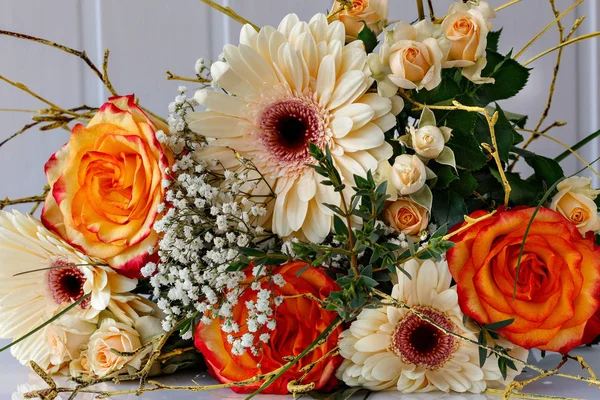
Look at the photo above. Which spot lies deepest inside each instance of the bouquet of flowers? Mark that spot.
(332, 208)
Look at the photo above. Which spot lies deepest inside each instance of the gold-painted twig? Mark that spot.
(567, 147)
(540, 33)
(105, 78)
(420, 10)
(528, 396)
(165, 357)
(508, 4)
(431, 12)
(564, 44)
(172, 77)
(491, 121)
(76, 53)
(469, 222)
(24, 200)
(230, 13)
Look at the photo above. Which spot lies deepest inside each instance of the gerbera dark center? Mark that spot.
(418, 342)
(286, 128)
(292, 132)
(65, 282)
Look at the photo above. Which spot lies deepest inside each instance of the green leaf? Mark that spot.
(458, 120)
(465, 185)
(523, 192)
(423, 197)
(510, 78)
(340, 227)
(482, 352)
(368, 37)
(545, 168)
(446, 91)
(251, 252)
(446, 157)
(492, 40)
(445, 175)
(471, 156)
(494, 326)
(427, 118)
(502, 366)
(577, 146)
(448, 207)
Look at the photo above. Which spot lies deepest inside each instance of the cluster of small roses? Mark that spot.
(413, 56)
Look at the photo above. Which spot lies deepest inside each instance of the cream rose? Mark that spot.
(64, 340)
(118, 336)
(406, 216)
(406, 176)
(80, 366)
(372, 12)
(414, 56)
(429, 141)
(464, 39)
(575, 202)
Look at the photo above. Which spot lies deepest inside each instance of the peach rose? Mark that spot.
(465, 31)
(407, 217)
(106, 185)
(414, 56)
(118, 336)
(299, 321)
(372, 12)
(558, 286)
(575, 201)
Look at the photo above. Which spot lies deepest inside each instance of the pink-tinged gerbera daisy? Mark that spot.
(285, 88)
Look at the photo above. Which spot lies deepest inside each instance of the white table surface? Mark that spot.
(15, 378)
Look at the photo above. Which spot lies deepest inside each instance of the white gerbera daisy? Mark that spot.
(287, 87)
(392, 348)
(60, 275)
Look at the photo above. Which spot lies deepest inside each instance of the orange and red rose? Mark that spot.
(299, 321)
(106, 185)
(558, 285)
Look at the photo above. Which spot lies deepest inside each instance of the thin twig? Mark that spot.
(564, 44)
(230, 13)
(491, 121)
(172, 77)
(431, 12)
(540, 33)
(77, 53)
(24, 200)
(503, 6)
(105, 78)
(420, 10)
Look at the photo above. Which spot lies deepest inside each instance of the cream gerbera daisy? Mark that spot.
(40, 274)
(287, 87)
(391, 348)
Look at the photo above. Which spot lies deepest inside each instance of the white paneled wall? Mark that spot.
(147, 37)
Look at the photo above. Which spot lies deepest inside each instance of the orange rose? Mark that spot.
(106, 185)
(300, 321)
(406, 217)
(558, 288)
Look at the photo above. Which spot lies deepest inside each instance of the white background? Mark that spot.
(147, 37)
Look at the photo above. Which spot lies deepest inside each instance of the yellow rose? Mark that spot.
(106, 185)
(118, 336)
(464, 39)
(372, 12)
(575, 202)
(407, 217)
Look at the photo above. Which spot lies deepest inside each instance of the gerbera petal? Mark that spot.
(221, 103)
(360, 114)
(367, 137)
(287, 24)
